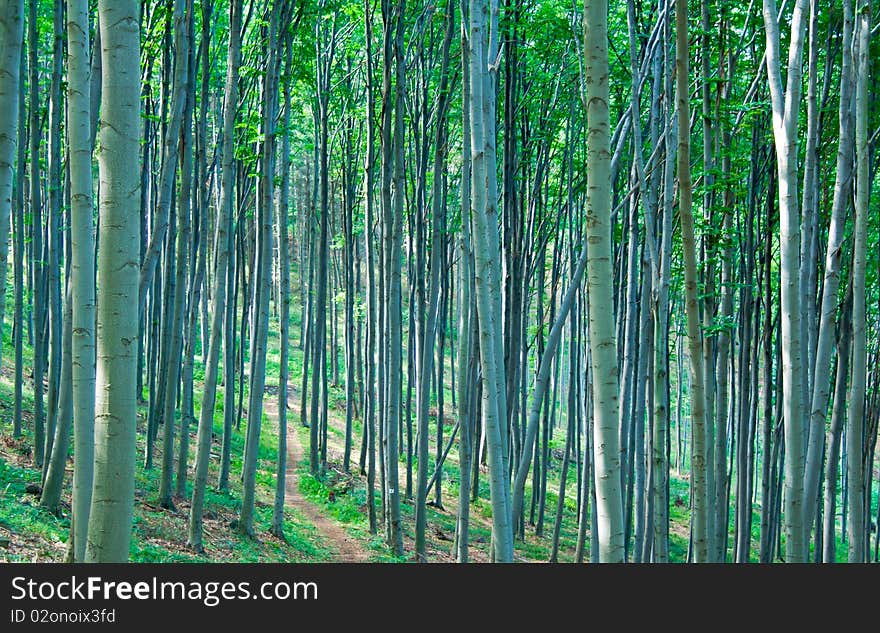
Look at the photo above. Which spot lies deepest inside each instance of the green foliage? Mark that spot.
(21, 515)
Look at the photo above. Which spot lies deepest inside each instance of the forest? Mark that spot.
(439, 281)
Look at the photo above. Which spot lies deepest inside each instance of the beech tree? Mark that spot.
(538, 280)
(109, 526)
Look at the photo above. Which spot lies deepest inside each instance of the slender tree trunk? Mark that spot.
(785, 103)
(11, 34)
(487, 269)
(603, 347)
(178, 272)
(393, 206)
(110, 519)
(284, 300)
(855, 435)
(838, 414)
(467, 360)
(263, 278)
(319, 326)
(56, 465)
(220, 310)
(19, 231)
(370, 239)
(660, 463)
(54, 242)
(699, 449)
(199, 255)
(438, 245)
(37, 288)
(831, 279)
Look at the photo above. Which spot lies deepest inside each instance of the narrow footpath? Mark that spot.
(347, 548)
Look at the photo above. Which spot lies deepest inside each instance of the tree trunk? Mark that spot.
(19, 230)
(178, 272)
(82, 268)
(831, 280)
(855, 434)
(438, 245)
(603, 347)
(699, 449)
(785, 115)
(37, 286)
(110, 519)
(221, 265)
(262, 280)
(284, 300)
(838, 414)
(487, 270)
(11, 34)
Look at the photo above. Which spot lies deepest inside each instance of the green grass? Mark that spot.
(158, 535)
(21, 515)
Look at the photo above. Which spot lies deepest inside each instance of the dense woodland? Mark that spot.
(524, 279)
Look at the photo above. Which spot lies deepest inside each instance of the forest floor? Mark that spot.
(345, 547)
(29, 533)
(343, 497)
(326, 516)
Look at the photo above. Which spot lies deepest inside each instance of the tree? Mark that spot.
(221, 264)
(110, 517)
(603, 346)
(482, 56)
(284, 300)
(430, 332)
(698, 403)
(831, 278)
(177, 264)
(263, 275)
(82, 269)
(11, 27)
(36, 251)
(785, 102)
(855, 440)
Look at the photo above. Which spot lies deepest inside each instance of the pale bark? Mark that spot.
(429, 335)
(832, 462)
(262, 279)
(487, 273)
(37, 272)
(56, 464)
(699, 449)
(284, 310)
(661, 433)
(221, 265)
(372, 316)
(785, 103)
(855, 432)
(19, 230)
(466, 315)
(169, 151)
(82, 267)
(177, 272)
(51, 258)
(603, 347)
(393, 203)
(831, 280)
(11, 34)
(110, 519)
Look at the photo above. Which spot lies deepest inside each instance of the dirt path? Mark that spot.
(348, 549)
